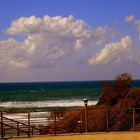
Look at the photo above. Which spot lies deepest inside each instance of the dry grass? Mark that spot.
(101, 136)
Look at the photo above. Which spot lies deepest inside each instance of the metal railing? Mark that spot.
(16, 124)
(46, 122)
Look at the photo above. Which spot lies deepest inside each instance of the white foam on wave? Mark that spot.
(24, 116)
(60, 103)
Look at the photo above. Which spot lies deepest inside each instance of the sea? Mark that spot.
(51, 94)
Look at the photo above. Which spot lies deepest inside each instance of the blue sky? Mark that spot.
(68, 40)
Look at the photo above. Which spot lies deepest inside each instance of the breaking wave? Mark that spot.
(60, 103)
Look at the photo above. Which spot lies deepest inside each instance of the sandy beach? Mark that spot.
(93, 136)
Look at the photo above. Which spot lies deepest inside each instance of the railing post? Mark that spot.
(2, 129)
(32, 131)
(86, 117)
(133, 110)
(29, 130)
(17, 129)
(55, 126)
(107, 122)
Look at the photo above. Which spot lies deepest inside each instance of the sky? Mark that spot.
(68, 40)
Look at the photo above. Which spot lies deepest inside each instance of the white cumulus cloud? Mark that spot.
(129, 18)
(47, 40)
(11, 54)
(137, 22)
(112, 52)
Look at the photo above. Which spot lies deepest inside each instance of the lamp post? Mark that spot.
(86, 117)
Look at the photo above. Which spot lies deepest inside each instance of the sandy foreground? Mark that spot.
(93, 136)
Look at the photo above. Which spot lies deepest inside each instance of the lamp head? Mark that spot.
(85, 101)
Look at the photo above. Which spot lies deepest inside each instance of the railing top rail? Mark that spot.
(15, 121)
(14, 127)
(20, 123)
(103, 108)
(89, 107)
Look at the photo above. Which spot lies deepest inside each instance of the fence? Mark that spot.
(77, 121)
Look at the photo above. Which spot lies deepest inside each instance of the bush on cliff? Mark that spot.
(115, 105)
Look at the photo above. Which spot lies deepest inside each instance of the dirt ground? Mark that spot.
(93, 136)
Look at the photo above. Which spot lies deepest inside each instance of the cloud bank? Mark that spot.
(47, 40)
(113, 52)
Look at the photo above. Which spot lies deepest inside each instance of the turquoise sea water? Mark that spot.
(50, 94)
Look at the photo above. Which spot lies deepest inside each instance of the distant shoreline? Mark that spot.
(20, 82)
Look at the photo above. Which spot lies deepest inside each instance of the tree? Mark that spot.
(123, 83)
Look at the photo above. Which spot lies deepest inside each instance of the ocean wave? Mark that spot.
(60, 103)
